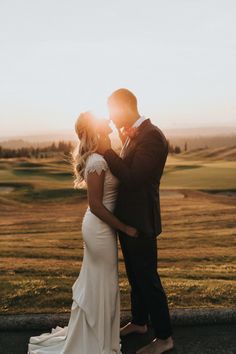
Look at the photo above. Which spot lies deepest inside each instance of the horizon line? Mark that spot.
(71, 131)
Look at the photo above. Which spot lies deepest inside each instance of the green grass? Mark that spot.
(219, 175)
(41, 245)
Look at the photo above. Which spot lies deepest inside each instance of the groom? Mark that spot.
(139, 169)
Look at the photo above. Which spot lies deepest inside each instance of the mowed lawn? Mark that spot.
(41, 247)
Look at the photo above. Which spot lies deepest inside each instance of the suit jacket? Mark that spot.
(139, 173)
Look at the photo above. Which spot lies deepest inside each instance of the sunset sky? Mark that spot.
(61, 57)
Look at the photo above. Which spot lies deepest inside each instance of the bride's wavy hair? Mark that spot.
(86, 130)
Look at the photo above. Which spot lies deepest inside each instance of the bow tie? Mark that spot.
(131, 132)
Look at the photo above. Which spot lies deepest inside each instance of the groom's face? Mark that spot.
(117, 114)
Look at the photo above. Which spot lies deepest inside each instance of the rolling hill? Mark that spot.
(222, 153)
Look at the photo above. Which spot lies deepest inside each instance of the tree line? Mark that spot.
(176, 149)
(55, 148)
(37, 152)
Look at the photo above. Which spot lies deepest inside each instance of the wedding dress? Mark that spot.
(94, 324)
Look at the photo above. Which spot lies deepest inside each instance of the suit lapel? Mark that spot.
(132, 144)
(146, 122)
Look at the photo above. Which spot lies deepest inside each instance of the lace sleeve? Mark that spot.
(95, 163)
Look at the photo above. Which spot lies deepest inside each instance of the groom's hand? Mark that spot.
(104, 144)
(131, 231)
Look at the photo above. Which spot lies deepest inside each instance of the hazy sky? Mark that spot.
(61, 57)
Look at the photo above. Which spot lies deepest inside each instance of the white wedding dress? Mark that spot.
(94, 324)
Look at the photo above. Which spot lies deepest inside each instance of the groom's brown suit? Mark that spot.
(138, 205)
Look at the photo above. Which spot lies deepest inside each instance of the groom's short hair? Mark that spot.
(123, 96)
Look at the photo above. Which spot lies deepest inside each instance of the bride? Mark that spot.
(94, 324)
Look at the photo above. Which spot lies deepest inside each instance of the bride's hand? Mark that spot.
(131, 231)
(122, 136)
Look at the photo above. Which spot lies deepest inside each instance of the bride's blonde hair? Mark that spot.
(86, 130)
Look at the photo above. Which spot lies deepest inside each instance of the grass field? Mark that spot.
(42, 250)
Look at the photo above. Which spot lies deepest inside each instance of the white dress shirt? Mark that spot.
(139, 121)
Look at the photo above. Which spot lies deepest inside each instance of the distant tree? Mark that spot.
(53, 147)
(185, 146)
(61, 146)
(177, 150)
(36, 153)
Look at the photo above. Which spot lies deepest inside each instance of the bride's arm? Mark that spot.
(95, 183)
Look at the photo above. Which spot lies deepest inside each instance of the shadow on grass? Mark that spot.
(41, 172)
(219, 191)
(52, 194)
(26, 192)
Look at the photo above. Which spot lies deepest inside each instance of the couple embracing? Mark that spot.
(123, 202)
